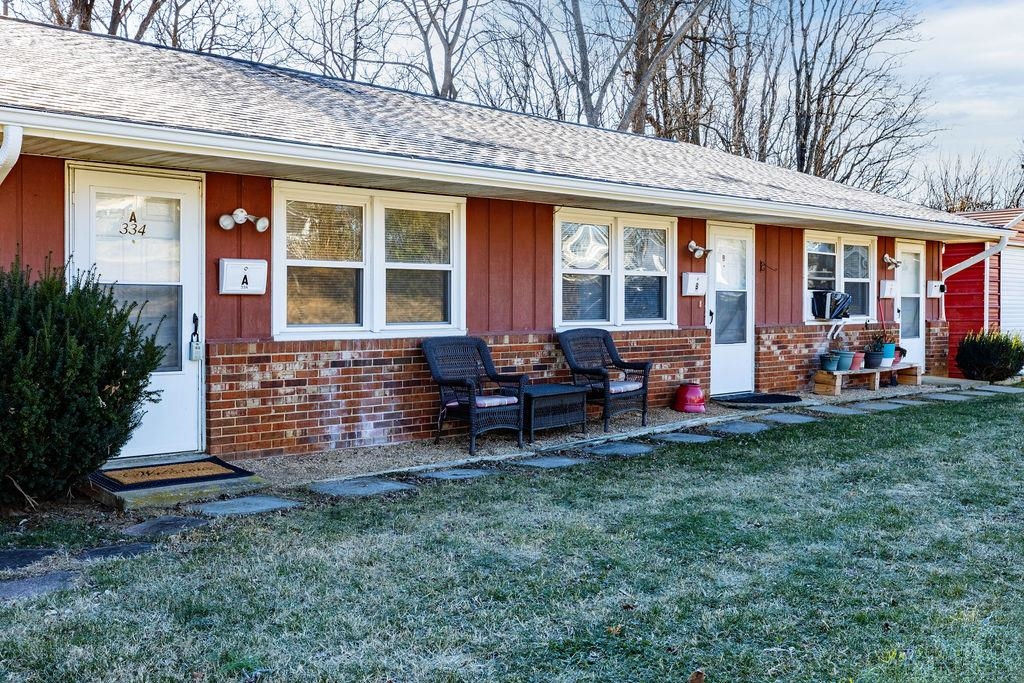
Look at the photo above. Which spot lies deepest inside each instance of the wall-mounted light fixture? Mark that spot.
(697, 250)
(892, 263)
(229, 220)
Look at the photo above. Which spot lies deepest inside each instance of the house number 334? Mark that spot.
(132, 227)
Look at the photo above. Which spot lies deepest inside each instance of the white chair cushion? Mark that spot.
(621, 387)
(490, 401)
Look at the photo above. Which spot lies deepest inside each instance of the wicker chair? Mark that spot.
(461, 366)
(593, 359)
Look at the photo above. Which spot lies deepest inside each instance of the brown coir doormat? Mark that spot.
(149, 476)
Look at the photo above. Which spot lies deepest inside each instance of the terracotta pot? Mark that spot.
(858, 360)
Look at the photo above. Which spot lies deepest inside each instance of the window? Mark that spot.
(844, 263)
(614, 270)
(364, 265)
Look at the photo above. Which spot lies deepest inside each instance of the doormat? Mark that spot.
(755, 400)
(171, 474)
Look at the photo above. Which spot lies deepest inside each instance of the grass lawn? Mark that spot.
(879, 548)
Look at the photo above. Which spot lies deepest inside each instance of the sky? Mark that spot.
(973, 53)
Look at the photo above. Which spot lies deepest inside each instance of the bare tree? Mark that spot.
(446, 35)
(117, 17)
(216, 26)
(977, 183)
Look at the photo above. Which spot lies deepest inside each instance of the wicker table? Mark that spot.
(555, 405)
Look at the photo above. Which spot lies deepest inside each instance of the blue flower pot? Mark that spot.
(845, 360)
(888, 355)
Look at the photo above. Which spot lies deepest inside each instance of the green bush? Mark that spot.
(74, 376)
(990, 356)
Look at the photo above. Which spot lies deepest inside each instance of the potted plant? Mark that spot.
(829, 362)
(837, 346)
(873, 354)
(901, 354)
(885, 342)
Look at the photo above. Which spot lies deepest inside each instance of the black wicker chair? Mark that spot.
(593, 359)
(461, 366)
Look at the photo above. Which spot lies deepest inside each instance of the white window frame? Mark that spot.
(616, 268)
(374, 303)
(842, 240)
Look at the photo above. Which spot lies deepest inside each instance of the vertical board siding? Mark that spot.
(691, 308)
(778, 275)
(886, 307)
(933, 265)
(509, 262)
(32, 204)
(965, 297)
(236, 317)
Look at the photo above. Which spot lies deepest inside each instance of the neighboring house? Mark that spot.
(990, 294)
(394, 216)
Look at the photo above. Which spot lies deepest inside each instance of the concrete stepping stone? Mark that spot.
(976, 393)
(359, 488)
(458, 474)
(908, 402)
(684, 437)
(111, 552)
(246, 505)
(878, 405)
(836, 410)
(1001, 389)
(620, 449)
(739, 427)
(20, 589)
(551, 462)
(19, 558)
(167, 525)
(789, 418)
(948, 397)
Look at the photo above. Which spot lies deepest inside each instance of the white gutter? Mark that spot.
(10, 150)
(991, 251)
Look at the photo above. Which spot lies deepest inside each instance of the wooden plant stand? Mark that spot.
(831, 383)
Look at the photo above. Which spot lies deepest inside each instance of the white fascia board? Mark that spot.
(174, 140)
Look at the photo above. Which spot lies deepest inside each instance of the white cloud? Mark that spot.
(973, 54)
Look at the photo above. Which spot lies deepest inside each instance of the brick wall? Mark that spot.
(271, 398)
(936, 350)
(786, 356)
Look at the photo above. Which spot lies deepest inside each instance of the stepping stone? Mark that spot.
(878, 405)
(20, 589)
(359, 488)
(908, 402)
(685, 437)
(18, 558)
(948, 397)
(620, 449)
(835, 410)
(168, 525)
(246, 505)
(110, 552)
(458, 474)
(739, 427)
(1001, 389)
(551, 462)
(973, 392)
(789, 418)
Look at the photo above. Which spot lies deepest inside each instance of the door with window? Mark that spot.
(142, 234)
(730, 308)
(910, 306)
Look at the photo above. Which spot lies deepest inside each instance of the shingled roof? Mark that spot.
(57, 71)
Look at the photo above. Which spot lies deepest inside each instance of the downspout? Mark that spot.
(10, 150)
(981, 256)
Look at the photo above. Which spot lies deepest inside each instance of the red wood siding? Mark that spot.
(232, 318)
(778, 275)
(965, 297)
(509, 261)
(691, 308)
(32, 212)
(933, 271)
(886, 307)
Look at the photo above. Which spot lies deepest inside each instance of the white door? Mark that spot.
(142, 234)
(1011, 290)
(910, 307)
(730, 308)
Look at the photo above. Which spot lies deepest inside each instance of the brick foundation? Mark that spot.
(271, 398)
(786, 356)
(936, 350)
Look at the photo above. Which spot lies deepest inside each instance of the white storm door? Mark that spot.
(910, 306)
(142, 235)
(730, 308)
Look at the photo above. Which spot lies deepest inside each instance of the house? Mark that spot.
(394, 216)
(988, 295)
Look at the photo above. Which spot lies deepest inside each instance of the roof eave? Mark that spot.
(201, 143)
